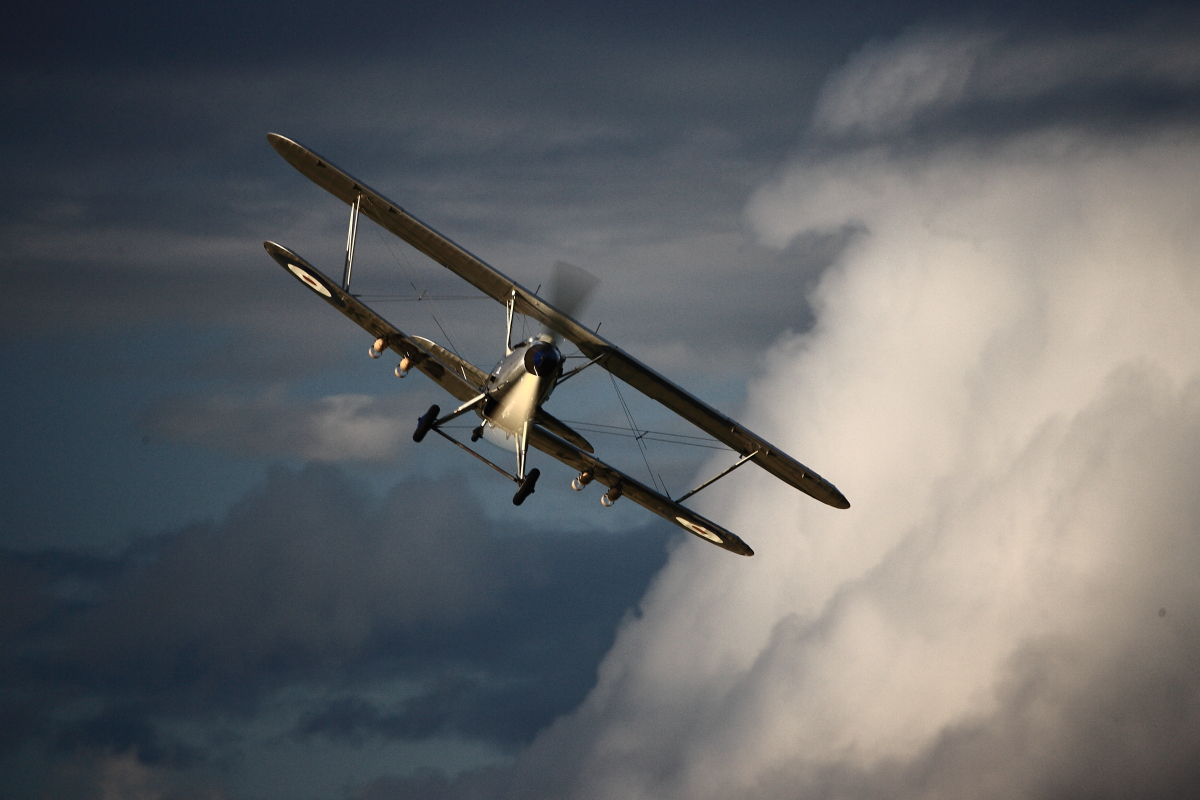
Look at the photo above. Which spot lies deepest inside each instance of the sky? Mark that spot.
(944, 254)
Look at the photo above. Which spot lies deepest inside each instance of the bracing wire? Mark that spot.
(637, 437)
(422, 294)
(648, 435)
(405, 298)
(633, 432)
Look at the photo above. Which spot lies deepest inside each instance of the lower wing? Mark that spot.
(638, 492)
(458, 381)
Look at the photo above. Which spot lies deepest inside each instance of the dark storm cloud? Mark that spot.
(455, 704)
(164, 223)
(151, 191)
(140, 189)
(311, 579)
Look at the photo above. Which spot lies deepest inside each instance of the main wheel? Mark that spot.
(526, 487)
(425, 423)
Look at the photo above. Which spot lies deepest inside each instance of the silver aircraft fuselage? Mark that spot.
(519, 385)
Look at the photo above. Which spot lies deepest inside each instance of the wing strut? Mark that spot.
(351, 238)
(512, 303)
(577, 370)
(711, 481)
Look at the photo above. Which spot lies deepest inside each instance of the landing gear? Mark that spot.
(526, 487)
(526, 481)
(425, 423)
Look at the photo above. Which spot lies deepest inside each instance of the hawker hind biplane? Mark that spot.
(509, 401)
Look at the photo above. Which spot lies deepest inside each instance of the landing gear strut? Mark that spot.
(526, 487)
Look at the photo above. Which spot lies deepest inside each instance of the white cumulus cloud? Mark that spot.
(1004, 378)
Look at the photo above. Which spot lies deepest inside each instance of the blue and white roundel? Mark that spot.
(309, 280)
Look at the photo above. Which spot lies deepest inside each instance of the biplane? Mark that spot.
(509, 401)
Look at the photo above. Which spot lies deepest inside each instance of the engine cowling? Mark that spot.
(543, 359)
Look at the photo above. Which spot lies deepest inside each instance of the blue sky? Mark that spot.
(941, 253)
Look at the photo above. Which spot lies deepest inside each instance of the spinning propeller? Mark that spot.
(570, 289)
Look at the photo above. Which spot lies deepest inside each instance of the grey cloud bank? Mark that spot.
(315, 622)
(1104, 78)
(336, 428)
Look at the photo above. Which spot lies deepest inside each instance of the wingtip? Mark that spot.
(280, 142)
(839, 500)
(737, 546)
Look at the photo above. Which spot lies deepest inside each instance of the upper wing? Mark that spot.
(500, 287)
(450, 376)
(639, 493)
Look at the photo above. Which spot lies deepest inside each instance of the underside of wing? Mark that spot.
(448, 376)
(501, 288)
(469, 372)
(638, 492)
(562, 430)
(725, 430)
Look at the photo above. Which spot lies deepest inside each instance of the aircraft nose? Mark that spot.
(542, 360)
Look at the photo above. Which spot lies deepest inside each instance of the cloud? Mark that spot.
(330, 429)
(162, 222)
(111, 776)
(888, 87)
(1003, 377)
(884, 87)
(319, 613)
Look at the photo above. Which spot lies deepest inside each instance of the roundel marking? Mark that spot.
(699, 530)
(312, 282)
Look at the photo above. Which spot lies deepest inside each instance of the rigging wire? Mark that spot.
(422, 294)
(650, 436)
(404, 298)
(637, 436)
